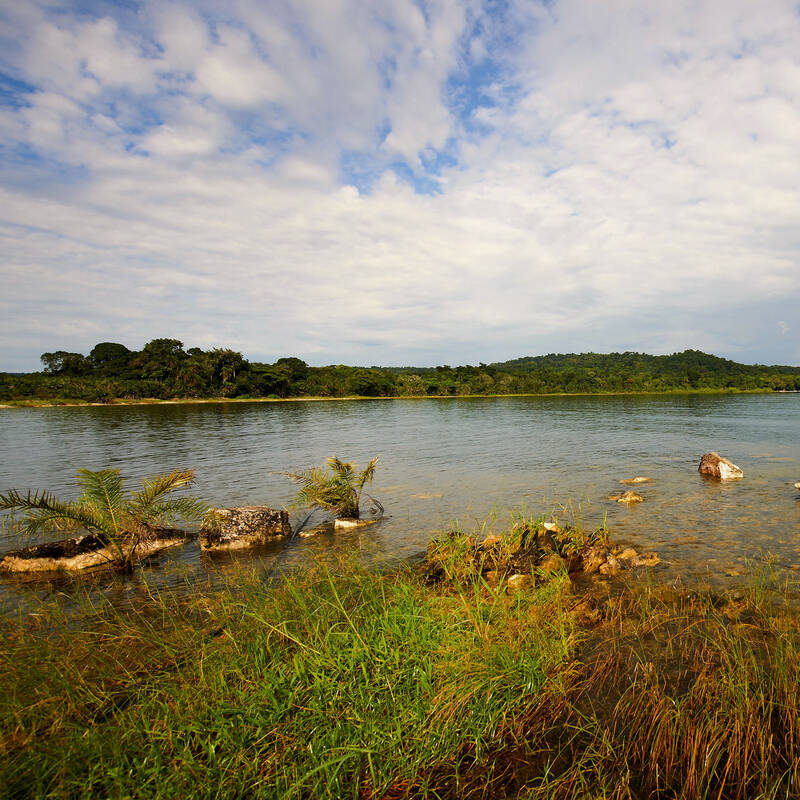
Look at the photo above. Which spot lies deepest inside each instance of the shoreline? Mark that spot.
(152, 401)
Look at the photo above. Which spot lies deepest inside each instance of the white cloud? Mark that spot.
(636, 185)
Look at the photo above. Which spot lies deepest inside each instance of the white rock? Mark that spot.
(519, 581)
(348, 523)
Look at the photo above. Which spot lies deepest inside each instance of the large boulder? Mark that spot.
(243, 526)
(715, 466)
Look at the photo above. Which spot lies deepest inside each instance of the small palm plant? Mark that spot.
(120, 520)
(337, 489)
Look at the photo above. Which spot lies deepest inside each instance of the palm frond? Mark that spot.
(341, 468)
(104, 491)
(368, 474)
(190, 508)
(336, 489)
(155, 488)
(43, 511)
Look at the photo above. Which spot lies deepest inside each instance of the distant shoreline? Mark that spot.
(152, 401)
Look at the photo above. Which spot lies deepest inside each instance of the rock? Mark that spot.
(646, 560)
(610, 568)
(349, 523)
(315, 531)
(587, 613)
(84, 552)
(491, 540)
(797, 485)
(517, 582)
(574, 562)
(637, 479)
(243, 526)
(628, 554)
(545, 541)
(715, 466)
(627, 497)
(551, 563)
(593, 558)
(493, 577)
(551, 527)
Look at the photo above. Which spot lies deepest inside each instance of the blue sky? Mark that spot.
(403, 182)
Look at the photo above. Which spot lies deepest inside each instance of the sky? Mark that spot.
(403, 181)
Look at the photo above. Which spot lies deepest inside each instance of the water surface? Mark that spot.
(452, 459)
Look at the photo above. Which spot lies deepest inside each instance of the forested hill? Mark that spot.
(638, 362)
(163, 369)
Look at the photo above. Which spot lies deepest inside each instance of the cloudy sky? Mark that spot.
(401, 181)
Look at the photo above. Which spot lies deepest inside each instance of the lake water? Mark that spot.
(447, 460)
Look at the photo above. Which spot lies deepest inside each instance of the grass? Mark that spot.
(350, 683)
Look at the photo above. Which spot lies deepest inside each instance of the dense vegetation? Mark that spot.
(164, 369)
(353, 684)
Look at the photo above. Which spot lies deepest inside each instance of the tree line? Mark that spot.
(164, 369)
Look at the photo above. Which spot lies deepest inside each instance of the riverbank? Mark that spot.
(70, 403)
(351, 683)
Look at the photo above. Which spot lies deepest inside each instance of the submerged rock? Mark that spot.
(315, 531)
(634, 481)
(611, 567)
(348, 523)
(85, 552)
(645, 560)
(627, 497)
(243, 526)
(586, 612)
(715, 466)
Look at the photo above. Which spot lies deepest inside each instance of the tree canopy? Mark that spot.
(164, 369)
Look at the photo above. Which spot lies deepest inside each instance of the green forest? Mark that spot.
(164, 369)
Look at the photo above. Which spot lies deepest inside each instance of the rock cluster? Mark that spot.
(243, 526)
(527, 551)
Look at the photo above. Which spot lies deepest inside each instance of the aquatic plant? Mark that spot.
(337, 490)
(118, 519)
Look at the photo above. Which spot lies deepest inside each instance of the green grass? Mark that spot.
(355, 684)
(324, 687)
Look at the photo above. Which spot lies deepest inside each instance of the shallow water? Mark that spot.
(449, 459)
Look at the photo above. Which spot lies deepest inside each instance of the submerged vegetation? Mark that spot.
(342, 682)
(164, 369)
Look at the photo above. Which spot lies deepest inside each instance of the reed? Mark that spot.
(343, 682)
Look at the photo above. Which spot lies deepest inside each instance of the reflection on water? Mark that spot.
(446, 460)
